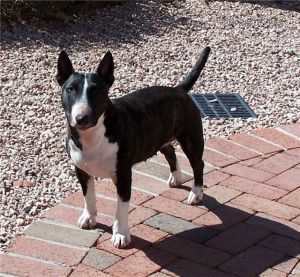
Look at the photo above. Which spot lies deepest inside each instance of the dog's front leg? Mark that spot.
(88, 216)
(121, 236)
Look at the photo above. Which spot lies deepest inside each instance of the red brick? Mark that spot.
(105, 236)
(69, 215)
(75, 199)
(276, 225)
(255, 188)
(147, 233)
(104, 220)
(278, 163)
(26, 267)
(288, 180)
(217, 195)
(178, 194)
(247, 172)
(139, 215)
(283, 244)
(251, 162)
(47, 251)
(159, 274)
(187, 268)
(267, 206)
(186, 167)
(190, 250)
(162, 170)
(141, 263)
(286, 265)
(104, 206)
(223, 217)
(153, 169)
(139, 197)
(181, 158)
(218, 159)
(296, 270)
(64, 214)
(255, 143)
(292, 199)
(159, 158)
(141, 235)
(86, 271)
(278, 137)
(270, 272)
(237, 238)
(213, 178)
(293, 129)
(229, 148)
(252, 262)
(184, 163)
(148, 183)
(175, 208)
(294, 152)
(134, 246)
(297, 220)
(107, 188)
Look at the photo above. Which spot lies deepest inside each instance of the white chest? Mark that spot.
(98, 157)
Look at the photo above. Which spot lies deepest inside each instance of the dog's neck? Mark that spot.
(93, 136)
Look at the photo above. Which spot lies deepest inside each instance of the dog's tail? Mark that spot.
(192, 77)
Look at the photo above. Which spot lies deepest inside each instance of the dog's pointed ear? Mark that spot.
(64, 68)
(106, 68)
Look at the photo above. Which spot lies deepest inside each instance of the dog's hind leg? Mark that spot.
(121, 236)
(175, 178)
(88, 216)
(193, 147)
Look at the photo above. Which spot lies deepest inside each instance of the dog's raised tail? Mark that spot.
(192, 77)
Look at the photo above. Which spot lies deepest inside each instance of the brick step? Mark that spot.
(250, 212)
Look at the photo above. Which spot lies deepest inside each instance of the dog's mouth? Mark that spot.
(83, 127)
(83, 122)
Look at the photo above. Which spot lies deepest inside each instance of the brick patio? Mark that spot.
(247, 225)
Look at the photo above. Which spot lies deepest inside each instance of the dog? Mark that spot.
(106, 137)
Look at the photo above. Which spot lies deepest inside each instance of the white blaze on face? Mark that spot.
(81, 106)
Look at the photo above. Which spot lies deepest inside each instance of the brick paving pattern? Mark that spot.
(248, 223)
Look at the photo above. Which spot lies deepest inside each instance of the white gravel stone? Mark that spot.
(255, 52)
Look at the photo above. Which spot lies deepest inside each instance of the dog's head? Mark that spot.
(84, 95)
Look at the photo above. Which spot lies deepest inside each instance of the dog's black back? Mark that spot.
(145, 120)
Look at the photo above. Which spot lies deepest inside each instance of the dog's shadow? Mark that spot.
(243, 243)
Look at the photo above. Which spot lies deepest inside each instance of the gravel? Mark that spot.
(255, 51)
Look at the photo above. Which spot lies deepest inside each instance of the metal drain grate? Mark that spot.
(216, 105)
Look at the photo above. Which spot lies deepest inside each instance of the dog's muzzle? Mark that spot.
(81, 116)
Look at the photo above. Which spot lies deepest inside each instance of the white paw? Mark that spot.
(195, 196)
(175, 179)
(86, 220)
(121, 236)
(120, 240)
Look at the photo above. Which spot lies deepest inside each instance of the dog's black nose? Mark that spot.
(82, 119)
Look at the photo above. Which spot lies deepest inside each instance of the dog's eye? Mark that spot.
(70, 89)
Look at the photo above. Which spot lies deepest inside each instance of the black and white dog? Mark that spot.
(107, 137)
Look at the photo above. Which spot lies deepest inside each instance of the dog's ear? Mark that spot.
(106, 68)
(64, 68)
